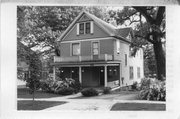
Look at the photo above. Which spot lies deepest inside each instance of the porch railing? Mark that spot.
(101, 57)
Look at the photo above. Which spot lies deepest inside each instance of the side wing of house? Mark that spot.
(131, 68)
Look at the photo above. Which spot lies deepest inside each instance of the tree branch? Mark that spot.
(147, 37)
(143, 11)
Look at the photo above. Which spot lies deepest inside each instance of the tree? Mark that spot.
(33, 81)
(40, 26)
(150, 27)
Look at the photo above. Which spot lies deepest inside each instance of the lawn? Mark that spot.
(24, 93)
(138, 107)
(38, 105)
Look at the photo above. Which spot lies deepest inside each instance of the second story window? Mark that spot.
(81, 29)
(75, 49)
(95, 48)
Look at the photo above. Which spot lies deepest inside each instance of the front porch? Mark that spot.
(91, 75)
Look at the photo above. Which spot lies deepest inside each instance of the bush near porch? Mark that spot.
(87, 92)
(63, 87)
(152, 90)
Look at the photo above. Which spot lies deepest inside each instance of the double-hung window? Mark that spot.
(131, 73)
(138, 72)
(75, 49)
(125, 59)
(81, 28)
(85, 28)
(95, 48)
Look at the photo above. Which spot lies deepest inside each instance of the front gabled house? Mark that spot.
(97, 54)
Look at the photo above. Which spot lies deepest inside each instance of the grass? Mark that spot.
(138, 107)
(38, 105)
(24, 93)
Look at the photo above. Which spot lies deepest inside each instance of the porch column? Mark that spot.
(105, 75)
(80, 75)
(54, 73)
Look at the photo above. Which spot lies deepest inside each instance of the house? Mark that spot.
(97, 54)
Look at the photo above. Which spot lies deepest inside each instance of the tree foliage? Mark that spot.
(40, 26)
(149, 23)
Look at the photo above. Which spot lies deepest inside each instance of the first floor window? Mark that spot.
(125, 59)
(75, 49)
(95, 47)
(131, 72)
(138, 72)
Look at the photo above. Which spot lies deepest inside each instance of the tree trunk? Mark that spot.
(160, 59)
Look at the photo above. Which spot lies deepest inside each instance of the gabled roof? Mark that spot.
(120, 33)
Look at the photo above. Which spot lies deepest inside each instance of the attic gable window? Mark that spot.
(85, 28)
(81, 29)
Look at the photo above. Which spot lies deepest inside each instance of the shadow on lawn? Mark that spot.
(38, 105)
(138, 107)
(24, 93)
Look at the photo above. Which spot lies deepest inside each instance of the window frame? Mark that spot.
(84, 29)
(93, 47)
(89, 28)
(131, 72)
(72, 54)
(138, 72)
(125, 55)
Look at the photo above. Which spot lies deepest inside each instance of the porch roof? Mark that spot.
(75, 64)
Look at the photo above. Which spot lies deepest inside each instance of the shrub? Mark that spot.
(145, 83)
(153, 90)
(52, 86)
(134, 85)
(89, 92)
(65, 91)
(107, 90)
(77, 86)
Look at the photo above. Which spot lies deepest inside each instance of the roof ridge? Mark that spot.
(101, 20)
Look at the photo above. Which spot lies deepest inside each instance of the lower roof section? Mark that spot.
(77, 64)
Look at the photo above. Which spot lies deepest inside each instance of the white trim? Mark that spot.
(90, 39)
(77, 28)
(92, 27)
(80, 74)
(88, 65)
(105, 75)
